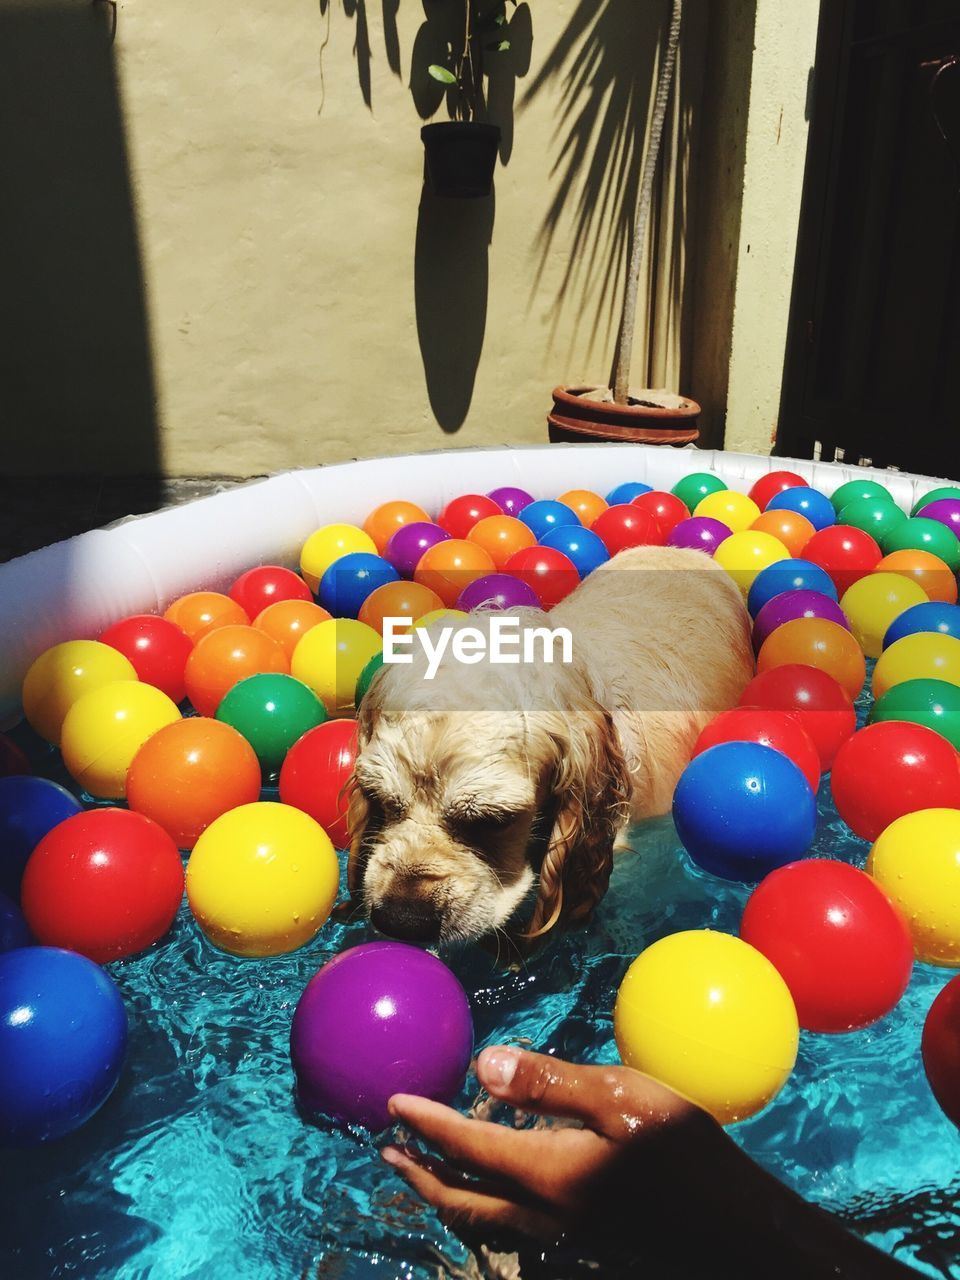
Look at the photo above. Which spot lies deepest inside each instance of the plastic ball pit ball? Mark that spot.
(63, 1034)
(29, 808)
(267, 584)
(928, 655)
(272, 712)
(384, 521)
(501, 537)
(106, 728)
(583, 547)
(349, 581)
(776, 729)
(854, 490)
(262, 880)
(733, 509)
(666, 508)
(156, 648)
(379, 1019)
(811, 503)
(890, 769)
(791, 605)
(934, 615)
(106, 883)
(933, 703)
(920, 534)
(876, 516)
(946, 511)
(201, 612)
(498, 591)
(407, 546)
(12, 759)
(191, 772)
(745, 555)
(14, 930)
(788, 575)
(288, 621)
(546, 514)
(228, 654)
(626, 492)
(626, 526)
(774, 482)
(510, 499)
(845, 554)
(945, 491)
(926, 570)
(365, 678)
(693, 488)
(316, 774)
(65, 673)
(788, 527)
(940, 1047)
(329, 660)
(699, 533)
(459, 516)
(708, 1016)
(397, 600)
(450, 566)
(585, 503)
(835, 938)
(328, 544)
(815, 642)
(551, 574)
(742, 809)
(876, 601)
(813, 698)
(916, 859)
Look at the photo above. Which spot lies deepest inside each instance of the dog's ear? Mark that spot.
(591, 791)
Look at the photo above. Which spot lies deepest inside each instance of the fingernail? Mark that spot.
(391, 1155)
(498, 1067)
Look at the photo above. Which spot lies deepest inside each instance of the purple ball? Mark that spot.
(510, 501)
(790, 605)
(700, 533)
(379, 1019)
(946, 511)
(498, 591)
(408, 544)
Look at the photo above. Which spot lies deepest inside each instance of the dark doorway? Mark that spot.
(873, 348)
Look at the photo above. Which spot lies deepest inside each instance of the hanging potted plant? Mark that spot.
(613, 412)
(462, 153)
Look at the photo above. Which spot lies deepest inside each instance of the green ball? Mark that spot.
(945, 491)
(272, 712)
(918, 534)
(876, 516)
(694, 488)
(366, 675)
(933, 703)
(854, 489)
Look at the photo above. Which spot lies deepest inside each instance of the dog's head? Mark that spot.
(478, 790)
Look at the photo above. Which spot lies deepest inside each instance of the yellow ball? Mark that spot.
(873, 602)
(65, 673)
(744, 555)
(928, 655)
(917, 861)
(428, 619)
(106, 728)
(330, 657)
(709, 1016)
(262, 879)
(329, 544)
(736, 510)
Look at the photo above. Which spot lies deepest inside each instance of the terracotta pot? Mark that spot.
(576, 417)
(461, 157)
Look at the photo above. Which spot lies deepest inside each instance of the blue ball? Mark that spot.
(349, 580)
(546, 514)
(788, 575)
(742, 810)
(63, 1032)
(933, 615)
(813, 504)
(29, 808)
(14, 930)
(626, 492)
(584, 547)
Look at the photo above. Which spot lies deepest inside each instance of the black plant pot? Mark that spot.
(461, 157)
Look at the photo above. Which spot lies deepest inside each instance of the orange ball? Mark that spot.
(815, 642)
(226, 655)
(928, 571)
(500, 537)
(202, 611)
(448, 567)
(587, 504)
(384, 521)
(191, 772)
(398, 600)
(287, 621)
(793, 529)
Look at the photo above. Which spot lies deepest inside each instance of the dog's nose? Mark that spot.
(411, 921)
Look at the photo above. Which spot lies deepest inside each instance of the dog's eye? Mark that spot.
(388, 808)
(472, 827)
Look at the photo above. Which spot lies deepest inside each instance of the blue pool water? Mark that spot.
(199, 1166)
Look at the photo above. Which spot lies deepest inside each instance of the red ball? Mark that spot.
(106, 883)
(460, 515)
(940, 1047)
(777, 729)
(837, 940)
(818, 701)
(12, 759)
(157, 649)
(772, 483)
(626, 526)
(550, 573)
(315, 773)
(666, 508)
(267, 584)
(845, 553)
(892, 768)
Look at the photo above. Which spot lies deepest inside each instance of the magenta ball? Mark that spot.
(498, 591)
(946, 511)
(408, 544)
(379, 1019)
(701, 533)
(510, 501)
(790, 605)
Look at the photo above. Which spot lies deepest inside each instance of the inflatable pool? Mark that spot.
(200, 1165)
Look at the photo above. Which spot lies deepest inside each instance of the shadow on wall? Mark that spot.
(76, 382)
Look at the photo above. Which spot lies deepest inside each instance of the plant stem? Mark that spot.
(628, 319)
